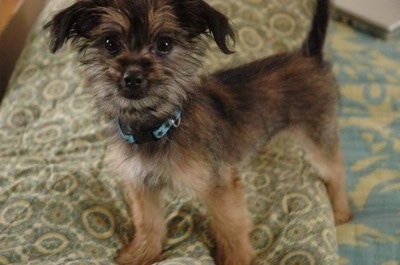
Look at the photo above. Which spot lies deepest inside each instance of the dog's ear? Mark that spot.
(197, 17)
(73, 23)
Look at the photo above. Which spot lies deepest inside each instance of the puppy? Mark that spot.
(174, 128)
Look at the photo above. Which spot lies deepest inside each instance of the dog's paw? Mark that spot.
(139, 253)
(245, 259)
(243, 255)
(342, 216)
(341, 209)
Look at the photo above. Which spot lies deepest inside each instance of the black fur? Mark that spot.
(200, 18)
(195, 16)
(314, 43)
(74, 22)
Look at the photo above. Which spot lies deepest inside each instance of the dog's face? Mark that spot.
(140, 57)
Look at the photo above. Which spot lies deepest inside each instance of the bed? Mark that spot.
(61, 204)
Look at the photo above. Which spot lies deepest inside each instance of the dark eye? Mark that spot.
(164, 45)
(111, 45)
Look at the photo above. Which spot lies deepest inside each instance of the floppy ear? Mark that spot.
(197, 17)
(74, 22)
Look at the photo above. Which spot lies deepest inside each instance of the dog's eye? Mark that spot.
(111, 45)
(164, 45)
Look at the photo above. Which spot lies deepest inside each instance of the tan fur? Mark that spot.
(329, 163)
(230, 223)
(150, 228)
(224, 115)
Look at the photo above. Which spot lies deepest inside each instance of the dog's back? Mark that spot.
(281, 91)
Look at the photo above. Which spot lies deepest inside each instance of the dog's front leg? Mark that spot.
(230, 222)
(148, 218)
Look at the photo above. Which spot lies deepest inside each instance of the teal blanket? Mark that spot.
(368, 71)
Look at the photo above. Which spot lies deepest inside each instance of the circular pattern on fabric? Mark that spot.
(257, 204)
(56, 89)
(280, 46)
(249, 15)
(47, 133)
(283, 23)
(57, 213)
(261, 181)
(262, 238)
(28, 163)
(296, 203)
(97, 188)
(180, 227)
(329, 237)
(29, 74)
(80, 147)
(94, 251)
(51, 243)
(80, 103)
(300, 257)
(250, 39)
(15, 214)
(26, 94)
(296, 233)
(99, 222)
(22, 116)
(62, 182)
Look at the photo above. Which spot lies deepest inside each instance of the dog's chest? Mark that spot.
(150, 172)
(159, 171)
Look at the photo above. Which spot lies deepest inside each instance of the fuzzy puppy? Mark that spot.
(173, 128)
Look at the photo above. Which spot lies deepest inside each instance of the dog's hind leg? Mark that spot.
(320, 140)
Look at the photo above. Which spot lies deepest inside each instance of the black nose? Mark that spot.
(134, 79)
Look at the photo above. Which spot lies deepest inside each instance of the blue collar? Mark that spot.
(148, 136)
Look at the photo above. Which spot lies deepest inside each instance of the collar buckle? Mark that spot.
(154, 135)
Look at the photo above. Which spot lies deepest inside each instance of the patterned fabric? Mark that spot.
(368, 70)
(60, 203)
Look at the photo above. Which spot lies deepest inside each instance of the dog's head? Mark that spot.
(140, 57)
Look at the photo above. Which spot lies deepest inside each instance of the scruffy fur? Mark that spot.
(141, 62)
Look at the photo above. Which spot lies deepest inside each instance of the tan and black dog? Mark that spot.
(174, 128)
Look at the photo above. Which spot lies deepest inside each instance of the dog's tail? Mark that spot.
(314, 43)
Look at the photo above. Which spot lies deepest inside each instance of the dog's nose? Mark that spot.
(134, 79)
